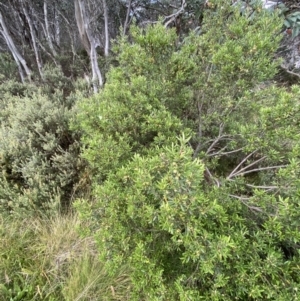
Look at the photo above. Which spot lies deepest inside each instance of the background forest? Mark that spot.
(149, 150)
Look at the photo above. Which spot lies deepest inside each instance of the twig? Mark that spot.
(47, 52)
(241, 198)
(198, 148)
(220, 136)
(258, 169)
(247, 167)
(244, 199)
(127, 17)
(240, 164)
(220, 153)
(208, 173)
(175, 15)
(289, 72)
(151, 8)
(262, 187)
(255, 208)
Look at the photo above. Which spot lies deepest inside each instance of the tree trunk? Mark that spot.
(34, 43)
(105, 12)
(20, 61)
(88, 42)
(47, 33)
(127, 17)
(56, 25)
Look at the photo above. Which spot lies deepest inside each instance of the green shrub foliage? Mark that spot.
(213, 213)
(187, 244)
(126, 117)
(38, 152)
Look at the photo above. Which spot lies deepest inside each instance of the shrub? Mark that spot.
(38, 152)
(183, 242)
(210, 218)
(123, 119)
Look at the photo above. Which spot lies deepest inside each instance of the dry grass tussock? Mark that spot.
(46, 259)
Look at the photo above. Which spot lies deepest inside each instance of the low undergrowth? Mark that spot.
(48, 260)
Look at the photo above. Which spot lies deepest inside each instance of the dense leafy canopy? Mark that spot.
(210, 213)
(184, 165)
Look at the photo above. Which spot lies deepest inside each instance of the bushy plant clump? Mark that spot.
(210, 214)
(38, 152)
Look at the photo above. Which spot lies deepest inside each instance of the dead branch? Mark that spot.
(208, 175)
(127, 17)
(172, 17)
(285, 69)
(240, 164)
(257, 169)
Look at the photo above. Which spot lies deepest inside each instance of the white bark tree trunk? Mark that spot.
(105, 13)
(34, 42)
(47, 27)
(19, 59)
(88, 42)
(56, 25)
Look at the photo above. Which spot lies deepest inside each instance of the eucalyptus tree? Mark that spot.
(37, 32)
(87, 13)
(43, 32)
(23, 68)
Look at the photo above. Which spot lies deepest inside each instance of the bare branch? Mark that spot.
(257, 169)
(221, 153)
(47, 52)
(210, 177)
(69, 29)
(33, 40)
(47, 31)
(262, 187)
(289, 72)
(175, 15)
(251, 164)
(244, 201)
(241, 198)
(240, 164)
(221, 127)
(127, 17)
(56, 25)
(89, 42)
(20, 61)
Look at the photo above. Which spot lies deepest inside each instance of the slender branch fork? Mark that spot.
(245, 170)
(175, 15)
(220, 136)
(198, 148)
(211, 177)
(257, 169)
(288, 71)
(240, 164)
(251, 207)
(127, 17)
